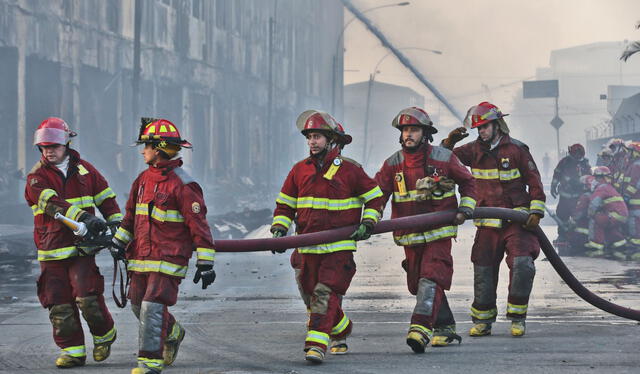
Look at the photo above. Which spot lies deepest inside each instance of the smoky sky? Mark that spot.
(488, 46)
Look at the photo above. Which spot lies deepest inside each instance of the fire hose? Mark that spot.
(430, 220)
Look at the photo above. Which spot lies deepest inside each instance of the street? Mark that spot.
(252, 321)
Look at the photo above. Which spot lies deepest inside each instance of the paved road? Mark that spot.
(253, 322)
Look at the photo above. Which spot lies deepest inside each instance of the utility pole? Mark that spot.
(135, 109)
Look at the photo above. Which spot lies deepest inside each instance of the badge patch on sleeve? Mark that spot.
(532, 165)
(33, 181)
(195, 207)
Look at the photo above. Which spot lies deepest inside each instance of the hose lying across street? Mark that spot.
(426, 221)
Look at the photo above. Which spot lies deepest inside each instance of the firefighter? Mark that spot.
(70, 282)
(605, 156)
(428, 260)
(324, 191)
(631, 195)
(566, 183)
(579, 220)
(507, 177)
(608, 216)
(164, 223)
(618, 162)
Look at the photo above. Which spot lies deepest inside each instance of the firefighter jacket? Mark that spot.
(327, 195)
(618, 169)
(631, 186)
(165, 221)
(606, 200)
(49, 192)
(580, 213)
(567, 175)
(502, 177)
(397, 179)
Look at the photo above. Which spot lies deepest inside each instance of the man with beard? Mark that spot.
(322, 192)
(506, 177)
(421, 178)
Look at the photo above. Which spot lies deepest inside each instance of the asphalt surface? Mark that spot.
(252, 321)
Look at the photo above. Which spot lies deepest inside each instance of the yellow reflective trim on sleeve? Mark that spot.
(427, 236)
(152, 266)
(142, 209)
(617, 217)
(537, 205)
(81, 202)
(115, 217)
(613, 199)
(57, 254)
(123, 235)
(282, 221)
(72, 212)
(370, 195)
(36, 210)
(371, 214)
(634, 202)
(107, 193)
(44, 197)
(287, 200)
(632, 189)
(468, 202)
(582, 230)
(342, 245)
(166, 215)
(206, 254)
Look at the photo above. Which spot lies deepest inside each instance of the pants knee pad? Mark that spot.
(484, 287)
(90, 308)
(63, 320)
(523, 271)
(320, 299)
(425, 297)
(150, 332)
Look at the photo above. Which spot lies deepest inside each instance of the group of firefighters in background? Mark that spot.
(598, 210)
(165, 222)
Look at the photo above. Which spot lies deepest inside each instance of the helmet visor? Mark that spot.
(49, 136)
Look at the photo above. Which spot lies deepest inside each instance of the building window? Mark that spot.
(112, 16)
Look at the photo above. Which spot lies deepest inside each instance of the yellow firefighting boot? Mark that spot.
(172, 344)
(65, 361)
(144, 371)
(595, 253)
(418, 338)
(517, 328)
(619, 255)
(444, 335)
(314, 355)
(635, 257)
(480, 329)
(339, 347)
(101, 351)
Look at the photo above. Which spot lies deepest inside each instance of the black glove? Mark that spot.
(278, 233)
(364, 231)
(206, 273)
(117, 249)
(94, 224)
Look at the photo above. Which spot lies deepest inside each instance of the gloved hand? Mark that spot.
(532, 221)
(554, 190)
(278, 232)
(455, 136)
(94, 224)
(206, 273)
(364, 231)
(117, 249)
(446, 184)
(459, 219)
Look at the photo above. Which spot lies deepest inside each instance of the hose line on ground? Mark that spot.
(426, 221)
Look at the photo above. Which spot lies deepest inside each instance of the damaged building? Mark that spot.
(232, 74)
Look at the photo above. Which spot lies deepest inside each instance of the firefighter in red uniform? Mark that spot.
(507, 177)
(618, 162)
(631, 195)
(566, 183)
(579, 220)
(70, 282)
(165, 222)
(608, 216)
(428, 262)
(322, 192)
